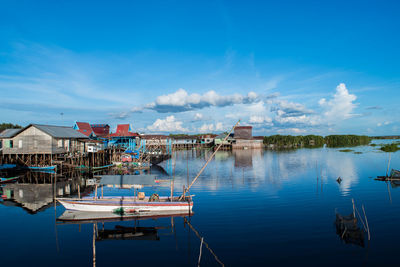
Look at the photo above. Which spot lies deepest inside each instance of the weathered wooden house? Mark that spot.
(6, 137)
(44, 139)
(243, 132)
(243, 136)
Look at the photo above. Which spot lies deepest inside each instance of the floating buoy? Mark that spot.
(339, 180)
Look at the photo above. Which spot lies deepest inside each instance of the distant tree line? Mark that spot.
(290, 141)
(4, 126)
(386, 137)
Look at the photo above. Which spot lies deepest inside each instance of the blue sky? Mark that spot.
(288, 67)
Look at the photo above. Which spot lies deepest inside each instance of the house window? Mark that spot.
(20, 143)
(60, 143)
(11, 143)
(34, 143)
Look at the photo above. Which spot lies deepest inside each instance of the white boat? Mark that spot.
(127, 205)
(136, 204)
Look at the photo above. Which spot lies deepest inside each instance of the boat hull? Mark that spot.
(75, 216)
(128, 206)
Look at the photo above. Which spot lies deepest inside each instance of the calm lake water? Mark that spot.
(251, 208)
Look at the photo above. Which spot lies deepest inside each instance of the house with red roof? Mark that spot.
(124, 130)
(101, 130)
(84, 128)
(124, 137)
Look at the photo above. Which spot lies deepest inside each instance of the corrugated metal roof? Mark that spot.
(8, 133)
(59, 131)
(84, 128)
(123, 130)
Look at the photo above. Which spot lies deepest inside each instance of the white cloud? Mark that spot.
(260, 120)
(290, 109)
(341, 106)
(180, 101)
(206, 128)
(379, 124)
(292, 130)
(169, 124)
(198, 117)
(290, 115)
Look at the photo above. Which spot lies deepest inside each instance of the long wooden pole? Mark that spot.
(387, 170)
(366, 222)
(210, 158)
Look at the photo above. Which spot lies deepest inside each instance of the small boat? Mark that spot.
(123, 205)
(102, 167)
(8, 180)
(7, 166)
(394, 175)
(127, 205)
(137, 204)
(42, 168)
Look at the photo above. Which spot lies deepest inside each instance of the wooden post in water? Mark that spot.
(94, 245)
(95, 193)
(354, 208)
(387, 170)
(201, 246)
(366, 222)
(79, 191)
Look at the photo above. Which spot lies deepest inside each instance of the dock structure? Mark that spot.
(49, 145)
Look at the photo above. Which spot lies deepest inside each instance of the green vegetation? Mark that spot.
(346, 140)
(386, 137)
(4, 126)
(290, 141)
(390, 148)
(310, 141)
(373, 144)
(346, 150)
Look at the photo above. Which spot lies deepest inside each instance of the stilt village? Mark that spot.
(94, 146)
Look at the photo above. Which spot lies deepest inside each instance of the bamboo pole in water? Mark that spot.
(387, 170)
(366, 222)
(205, 243)
(201, 246)
(208, 161)
(94, 245)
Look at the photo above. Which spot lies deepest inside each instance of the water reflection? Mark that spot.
(247, 202)
(113, 227)
(36, 191)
